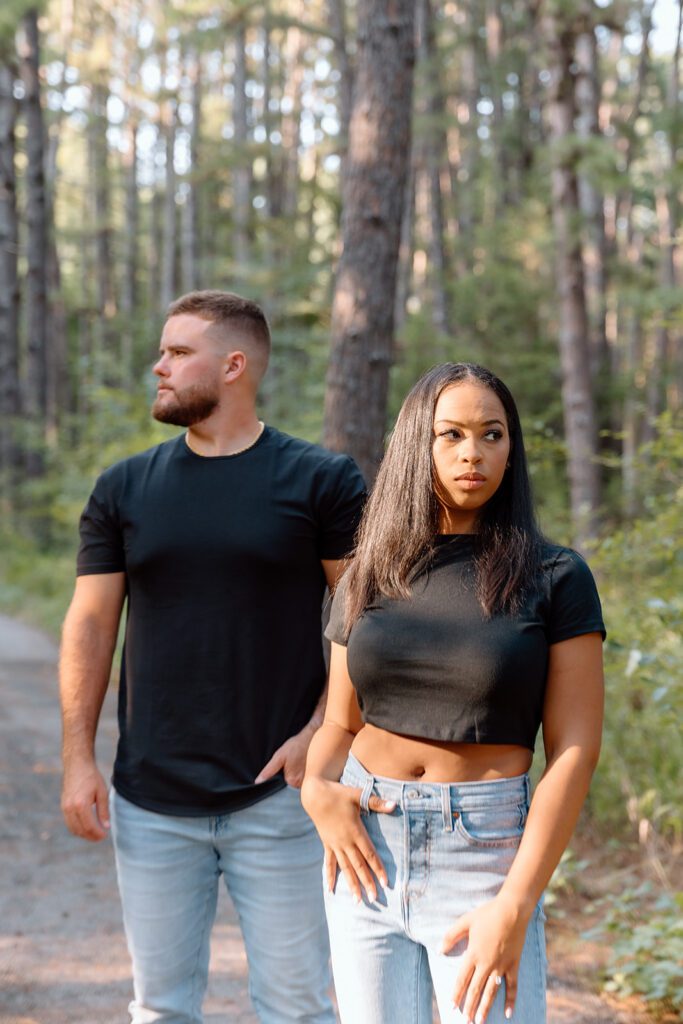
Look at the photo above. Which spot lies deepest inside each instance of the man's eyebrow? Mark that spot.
(484, 423)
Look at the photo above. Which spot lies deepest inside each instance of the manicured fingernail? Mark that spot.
(508, 1013)
(390, 804)
(358, 900)
(479, 1018)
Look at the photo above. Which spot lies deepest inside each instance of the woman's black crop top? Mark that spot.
(433, 666)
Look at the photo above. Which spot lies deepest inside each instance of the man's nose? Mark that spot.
(160, 368)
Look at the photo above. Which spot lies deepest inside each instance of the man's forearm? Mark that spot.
(84, 670)
(316, 719)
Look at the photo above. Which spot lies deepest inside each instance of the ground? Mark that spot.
(63, 957)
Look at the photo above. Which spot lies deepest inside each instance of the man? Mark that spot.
(221, 541)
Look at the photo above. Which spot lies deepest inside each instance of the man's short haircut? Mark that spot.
(224, 309)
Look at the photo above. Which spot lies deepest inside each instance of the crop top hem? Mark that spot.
(442, 736)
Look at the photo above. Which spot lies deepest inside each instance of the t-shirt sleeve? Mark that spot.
(334, 630)
(340, 505)
(101, 542)
(574, 602)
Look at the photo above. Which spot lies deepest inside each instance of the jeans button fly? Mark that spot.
(413, 794)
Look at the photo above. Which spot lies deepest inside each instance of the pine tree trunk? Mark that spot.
(577, 398)
(373, 196)
(291, 121)
(190, 248)
(242, 170)
(106, 348)
(590, 198)
(434, 149)
(337, 17)
(494, 51)
(169, 229)
(36, 292)
(665, 363)
(9, 279)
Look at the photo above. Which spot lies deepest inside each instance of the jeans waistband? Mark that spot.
(412, 794)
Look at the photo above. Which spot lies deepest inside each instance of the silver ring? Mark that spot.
(499, 980)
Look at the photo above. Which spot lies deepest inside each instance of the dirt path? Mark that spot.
(63, 957)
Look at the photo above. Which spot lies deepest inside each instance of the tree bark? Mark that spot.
(590, 197)
(106, 348)
(573, 332)
(373, 196)
(36, 292)
(242, 170)
(337, 16)
(169, 230)
(667, 359)
(190, 249)
(9, 278)
(434, 150)
(291, 120)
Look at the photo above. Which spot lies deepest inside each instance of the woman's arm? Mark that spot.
(335, 809)
(572, 727)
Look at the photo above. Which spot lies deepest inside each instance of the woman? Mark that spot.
(456, 632)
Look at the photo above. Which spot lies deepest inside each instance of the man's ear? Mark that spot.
(234, 366)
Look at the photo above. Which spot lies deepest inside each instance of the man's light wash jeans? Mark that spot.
(446, 849)
(168, 870)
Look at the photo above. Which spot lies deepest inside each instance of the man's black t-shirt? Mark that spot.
(223, 658)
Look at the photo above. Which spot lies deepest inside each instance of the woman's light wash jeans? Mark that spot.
(446, 849)
(168, 869)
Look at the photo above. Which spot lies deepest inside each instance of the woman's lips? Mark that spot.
(471, 482)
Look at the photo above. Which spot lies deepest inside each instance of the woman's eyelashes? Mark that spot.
(454, 435)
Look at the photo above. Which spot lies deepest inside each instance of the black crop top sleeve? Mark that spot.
(434, 666)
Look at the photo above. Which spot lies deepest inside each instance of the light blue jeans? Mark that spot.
(446, 849)
(168, 870)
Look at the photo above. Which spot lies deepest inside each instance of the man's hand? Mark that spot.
(290, 758)
(85, 802)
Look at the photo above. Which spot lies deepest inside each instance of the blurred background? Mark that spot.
(148, 149)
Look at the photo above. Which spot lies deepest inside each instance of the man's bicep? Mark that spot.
(99, 596)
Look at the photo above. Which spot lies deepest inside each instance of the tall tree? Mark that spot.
(573, 328)
(666, 351)
(373, 192)
(434, 163)
(35, 393)
(242, 167)
(591, 201)
(9, 279)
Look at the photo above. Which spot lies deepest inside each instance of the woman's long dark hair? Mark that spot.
(401, 519)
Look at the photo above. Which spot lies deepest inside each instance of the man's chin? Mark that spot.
(177, 416)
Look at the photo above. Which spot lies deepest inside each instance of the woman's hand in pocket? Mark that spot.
(335, 812)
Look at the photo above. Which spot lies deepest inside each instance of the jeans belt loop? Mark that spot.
(446, 808)
(365, 795)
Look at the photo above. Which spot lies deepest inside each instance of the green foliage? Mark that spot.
(640, 570)
(566, 879)
(644, 932)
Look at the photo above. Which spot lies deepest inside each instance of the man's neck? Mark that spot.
(211, 439)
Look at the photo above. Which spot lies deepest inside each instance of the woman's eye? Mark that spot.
(494, 435)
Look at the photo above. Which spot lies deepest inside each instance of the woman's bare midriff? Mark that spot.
(396, 756)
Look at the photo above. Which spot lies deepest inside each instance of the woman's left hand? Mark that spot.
(495, 935)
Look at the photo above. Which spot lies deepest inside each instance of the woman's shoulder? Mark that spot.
(560, 559)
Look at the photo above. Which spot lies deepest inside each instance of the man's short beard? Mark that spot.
(193, 405)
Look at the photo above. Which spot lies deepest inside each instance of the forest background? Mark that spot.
(518, 205)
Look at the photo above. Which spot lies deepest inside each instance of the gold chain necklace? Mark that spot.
(261, 428)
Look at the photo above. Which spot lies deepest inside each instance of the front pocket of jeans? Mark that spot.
(494, 826)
